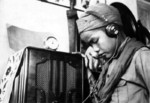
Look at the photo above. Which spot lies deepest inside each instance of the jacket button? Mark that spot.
(107, 75)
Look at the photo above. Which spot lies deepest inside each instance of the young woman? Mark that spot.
(123, 63)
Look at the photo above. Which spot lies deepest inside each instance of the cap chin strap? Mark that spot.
(115, 52)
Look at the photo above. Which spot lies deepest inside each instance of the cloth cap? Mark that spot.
(97, 16)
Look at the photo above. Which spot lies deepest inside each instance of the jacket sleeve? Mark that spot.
(142, 64)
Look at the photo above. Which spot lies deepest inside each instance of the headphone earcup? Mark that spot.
(112, 30)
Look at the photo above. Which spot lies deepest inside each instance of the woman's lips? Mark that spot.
(97, 56)
(101, 55)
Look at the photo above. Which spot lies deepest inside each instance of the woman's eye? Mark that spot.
(94, 40)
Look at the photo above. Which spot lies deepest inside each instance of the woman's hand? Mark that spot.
(91, 60)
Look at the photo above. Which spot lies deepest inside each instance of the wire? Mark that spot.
(86, 98)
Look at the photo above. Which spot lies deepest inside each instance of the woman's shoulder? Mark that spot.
(143, 52)
(142, 56)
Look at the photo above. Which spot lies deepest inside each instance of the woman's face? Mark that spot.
(102, 45)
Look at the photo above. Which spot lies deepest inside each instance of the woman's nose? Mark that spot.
(95, 48)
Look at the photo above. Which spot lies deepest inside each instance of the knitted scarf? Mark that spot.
(103, 91)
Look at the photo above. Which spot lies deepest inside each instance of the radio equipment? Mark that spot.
(49, 77)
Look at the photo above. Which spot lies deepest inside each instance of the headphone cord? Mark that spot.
(87, 98)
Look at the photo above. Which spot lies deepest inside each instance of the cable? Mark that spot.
(86, 98)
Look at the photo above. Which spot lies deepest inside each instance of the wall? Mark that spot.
(131, 4)
(5, 50)
(28, 23)
(27, 18)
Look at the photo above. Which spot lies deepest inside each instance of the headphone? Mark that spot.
(112, 30)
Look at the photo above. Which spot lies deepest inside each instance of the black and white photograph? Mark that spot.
(75, 51)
